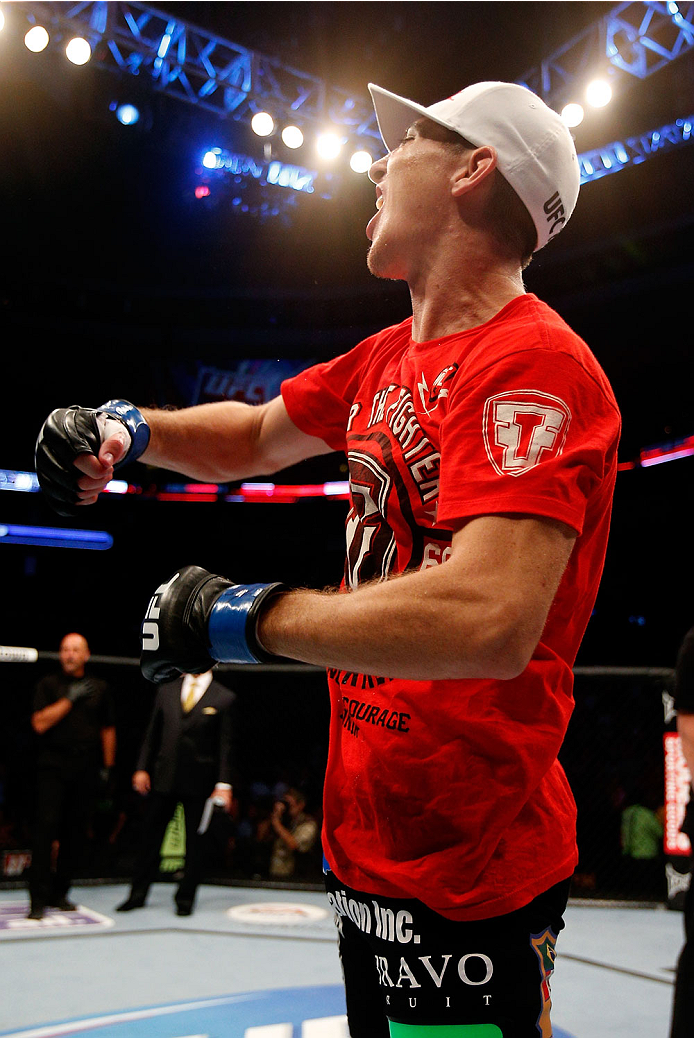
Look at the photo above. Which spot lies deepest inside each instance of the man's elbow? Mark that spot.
(511, 662)
(506, 647)
(503, 662)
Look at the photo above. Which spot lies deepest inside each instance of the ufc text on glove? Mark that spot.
(198, 618)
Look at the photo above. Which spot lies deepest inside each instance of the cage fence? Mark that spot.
(621, 756)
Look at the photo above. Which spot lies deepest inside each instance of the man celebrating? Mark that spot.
(481, 436)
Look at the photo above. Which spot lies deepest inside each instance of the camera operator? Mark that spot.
(295, 837)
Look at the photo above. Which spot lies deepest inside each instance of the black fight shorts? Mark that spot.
(405, 963)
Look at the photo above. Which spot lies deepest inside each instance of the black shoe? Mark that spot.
(36, 912)
(184, 909)
(130, 903)
(63, 905)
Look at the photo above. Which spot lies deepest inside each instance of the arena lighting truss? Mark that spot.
(193, 65)
(199, 67)
(634, 38)
(615, 156)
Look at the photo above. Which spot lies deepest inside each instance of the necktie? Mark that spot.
(191, 696)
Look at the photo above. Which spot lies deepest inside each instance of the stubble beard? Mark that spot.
(377, 263)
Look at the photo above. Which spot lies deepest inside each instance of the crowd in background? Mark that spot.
(238, 846)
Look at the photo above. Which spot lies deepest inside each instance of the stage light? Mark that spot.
(117, 486)
(52, 537)
(127, 114)
(292, 136)
(361, 162)
(202, 191)
(598, 93)
(572, 114)
(210, 159)
(27, 482)
(36, 39)
(262, 124)
(329, 146)
(78, 51)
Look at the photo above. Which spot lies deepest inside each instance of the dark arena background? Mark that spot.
(157, 248)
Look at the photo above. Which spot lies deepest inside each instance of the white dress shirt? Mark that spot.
(202, 682)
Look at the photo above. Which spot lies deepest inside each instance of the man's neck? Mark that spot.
(459, 285)
(452, 306)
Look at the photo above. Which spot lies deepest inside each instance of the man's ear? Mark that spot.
(478, 165)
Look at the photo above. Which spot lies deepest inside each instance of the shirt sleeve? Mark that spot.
(533, 433)
(319, 399)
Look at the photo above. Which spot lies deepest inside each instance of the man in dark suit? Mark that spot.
(186, 757)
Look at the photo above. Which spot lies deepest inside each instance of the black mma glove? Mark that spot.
(197, 619)
(69, 431)
(79, 689)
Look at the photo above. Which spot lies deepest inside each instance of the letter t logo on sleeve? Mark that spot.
(522, 427)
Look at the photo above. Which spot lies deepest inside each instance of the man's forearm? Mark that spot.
(478, 615)
(221, 442)
(42, 720)
(228, 440)
(108, 743)
(213, 442)
(408, 627)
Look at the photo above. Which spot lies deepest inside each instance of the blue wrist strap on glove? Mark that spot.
(232, 620)
(135, 424)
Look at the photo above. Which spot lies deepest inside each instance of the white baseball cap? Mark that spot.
(536, 152)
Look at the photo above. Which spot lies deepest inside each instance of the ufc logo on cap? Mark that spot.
(554, 209)
(523, 427)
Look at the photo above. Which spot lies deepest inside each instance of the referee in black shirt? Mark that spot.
(73, 715)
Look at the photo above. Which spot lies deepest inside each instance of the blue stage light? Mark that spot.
(55, 537)
(25, 482)
(127, 114)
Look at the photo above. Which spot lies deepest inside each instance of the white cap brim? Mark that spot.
(394, 115)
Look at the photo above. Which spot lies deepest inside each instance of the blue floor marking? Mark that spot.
(225, 1017)
(228, 1016)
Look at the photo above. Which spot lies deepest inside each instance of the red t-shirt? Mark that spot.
(451, 791)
